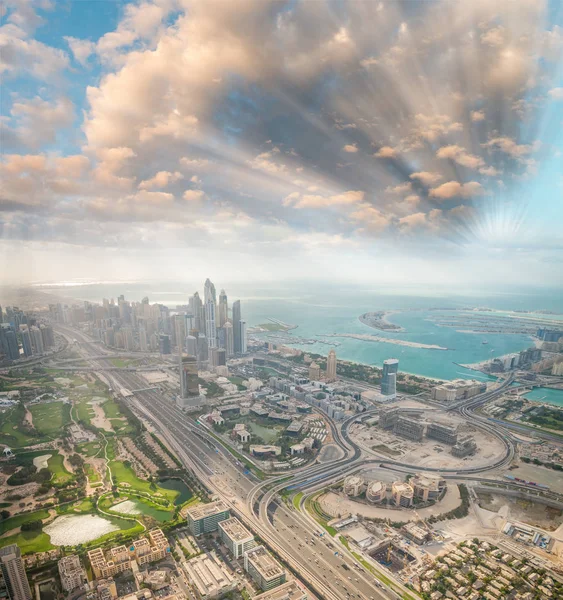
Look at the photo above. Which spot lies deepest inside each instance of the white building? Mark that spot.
(353, 485)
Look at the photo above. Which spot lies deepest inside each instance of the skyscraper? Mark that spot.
(331, 366)
(164, 344)
(189, 386)
(198, 313)
(14, 573)
(210, 328)
(242, 329)
(209, 292)
(223, 309)
(389, 379)
(36, 340)
(229, 339)
(9, 342)
(26, 340)
(236, 326)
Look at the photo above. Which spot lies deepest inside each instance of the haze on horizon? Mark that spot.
(403, 143)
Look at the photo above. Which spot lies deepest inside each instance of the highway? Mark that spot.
(287, 532)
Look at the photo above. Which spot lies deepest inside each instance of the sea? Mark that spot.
(323, 309)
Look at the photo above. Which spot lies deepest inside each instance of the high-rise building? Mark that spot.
(191, 345)
(26, 340)
(236, 537)
(189, 386)
(9, 342)
(180, 331)
(331, 366)
(164, 344)
(143, 343)
(223, 309)
(210, 328)
(236, 327)
(243, 337)
(263, 568)
(14, 573)
(48, 336)
(36, 340)
(199, 322)
(229, 339)
(209, 292)
(314, 371)
(389, 379)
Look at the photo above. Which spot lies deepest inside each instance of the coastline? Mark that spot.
(378, 320)
(374, 338)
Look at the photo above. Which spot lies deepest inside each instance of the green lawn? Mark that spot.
(11, 433)
(19, 520)
(49, 419)
(123, 474)
(57, 468)
(29, 542)
(92, 474)
(86, 505)
(111, 409)
(89, 449)
(121, 427)
(297, 500)
(83, 411)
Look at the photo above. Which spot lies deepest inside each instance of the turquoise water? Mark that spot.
(325, 309)
(546, 395)
(179, 486)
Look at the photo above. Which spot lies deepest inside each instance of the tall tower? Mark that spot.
(198, 313)
(223, 309)
(236, 326)
(331, 366)
(389, 379)
(189, 386)
(242, 327)
(229, 339)
(14, 573)
(210, 328)
(209, 291)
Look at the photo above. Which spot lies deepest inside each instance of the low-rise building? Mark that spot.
(209, 577)
(265, 450)
(376, 492)
(236, 536)
(353, 485)
(402, 494)
(465, 447)
(263, 568)
(290, 590)
(115, 561)
(416, 533)
(205, 518)
(442, 432)
(427, 486)
(410, 428)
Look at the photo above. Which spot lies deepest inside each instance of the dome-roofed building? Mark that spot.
(353, 485)
(376, 492)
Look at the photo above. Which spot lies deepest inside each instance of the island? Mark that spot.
(378, 320)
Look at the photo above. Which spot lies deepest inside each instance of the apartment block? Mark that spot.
(443, 433)
(410, 428)
(71, 573)
(205, 518)
(236, 536)
(290, 590)
(263, 568)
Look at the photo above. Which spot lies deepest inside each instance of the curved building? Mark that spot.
(376, 492)
(402, 494)
(427, 486)
(353, 485)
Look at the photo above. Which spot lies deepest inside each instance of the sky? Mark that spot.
(416, 143)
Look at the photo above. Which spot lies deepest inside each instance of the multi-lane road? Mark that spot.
(327, 567)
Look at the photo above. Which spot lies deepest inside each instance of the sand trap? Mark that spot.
(71, 530)
(40, 462)
(127, 507)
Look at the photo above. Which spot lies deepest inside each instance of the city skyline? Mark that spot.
(278, 140)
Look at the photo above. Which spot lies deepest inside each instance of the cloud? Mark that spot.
(160, 180)
(460, 156)
(38, 121)
(193, 195)
(370, 218)
(556, 93)
(432, 127)
(426, 178)
(82, 50)
(351, 148)
(316, 201)
(386, 152)
(509, 146)
(453, 189)
(477, 116)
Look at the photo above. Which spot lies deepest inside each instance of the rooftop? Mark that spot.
(201, 511)
(235, 529)
(264, 562)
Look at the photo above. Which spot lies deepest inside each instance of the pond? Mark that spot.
(40, 462)
(71, 530)
(137, 507)
(179, 486)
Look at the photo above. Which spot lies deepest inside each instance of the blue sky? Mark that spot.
(417, 140)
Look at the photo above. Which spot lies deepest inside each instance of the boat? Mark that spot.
(484, 342)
